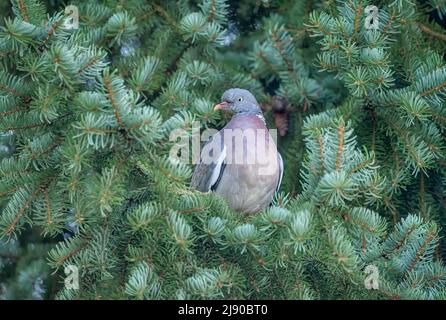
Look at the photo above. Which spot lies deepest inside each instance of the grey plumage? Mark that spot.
(248, 186)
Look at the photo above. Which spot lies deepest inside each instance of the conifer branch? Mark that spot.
(321, 152)
(340, 146)
(30, 126)
(52, 31)
(87, 162)
(14, 110)
(4, 193)
(433, 89)
(358, 13)
(13, 91)
(430, 236)
(211, 11)
(24, 10)
(48, 206)
(111, 98)
(277, 44)
(166, 16)
(431, 32)
(20, 213)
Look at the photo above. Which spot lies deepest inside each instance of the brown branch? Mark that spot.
(6, 53)
(166, 16)
(262, 56)
(88, 64)
(4, 193)
(363, 226)
(420, 251)
(30, 126)
(340, 146)
(281, 51)
(422, 205)
(169, 175)
(361, 165)
(431, 32)
(406, 236)
(373, 116)
(358, 14)
(52, 31)
(390, 295)
(112, 99)
(6, 113)
(21, 212)
(34, 156)
(48, 206)
(397, 164)
(23, 10)
(434, 89)
(69, 255)
(433, 278)
(438, 116)
(141, 124)
(192, 210)
(9, 89)
(212, 11)
(144, 16)
(321, 152)
(174, 64)
(392, 209)
(387, 26)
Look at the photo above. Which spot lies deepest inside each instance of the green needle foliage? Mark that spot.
(86, 116)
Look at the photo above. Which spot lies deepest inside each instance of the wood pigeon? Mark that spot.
(241, 161)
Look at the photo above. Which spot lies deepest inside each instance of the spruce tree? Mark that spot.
(356, 88)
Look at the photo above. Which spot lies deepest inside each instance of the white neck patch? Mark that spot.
(261, 117)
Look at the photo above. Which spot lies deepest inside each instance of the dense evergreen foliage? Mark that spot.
(85, 121)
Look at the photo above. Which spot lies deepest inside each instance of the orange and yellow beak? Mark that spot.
(221, 106)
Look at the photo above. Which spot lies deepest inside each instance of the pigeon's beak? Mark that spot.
(221, 106)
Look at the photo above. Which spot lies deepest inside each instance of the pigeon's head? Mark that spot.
(239, 101)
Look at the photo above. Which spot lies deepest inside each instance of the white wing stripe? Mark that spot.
(280, 171)
(216, 172)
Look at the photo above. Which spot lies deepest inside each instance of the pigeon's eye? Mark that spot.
(239, 99)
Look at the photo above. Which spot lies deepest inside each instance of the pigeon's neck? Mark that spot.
(261, 117)
(258, 114)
